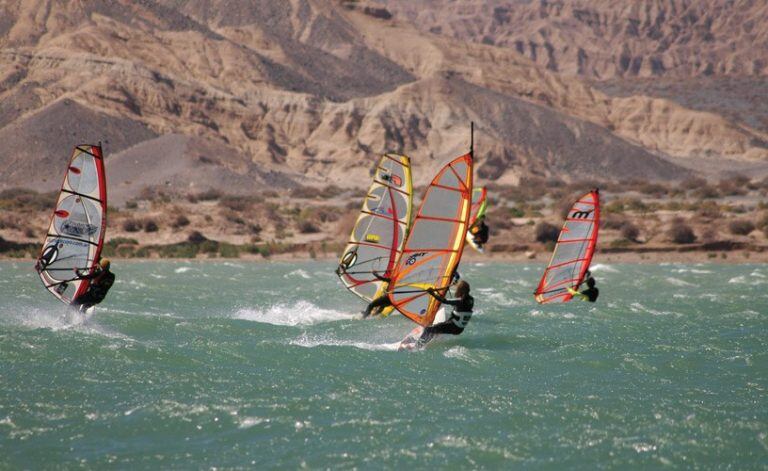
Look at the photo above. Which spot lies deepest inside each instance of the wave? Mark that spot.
(678, 282)
(321, 341)
(57, 320)
(300, 313)
(601, 267)
(753, 279)
(300, 273)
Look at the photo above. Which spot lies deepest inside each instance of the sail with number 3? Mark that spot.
(435, 244)
(377, 239)
(75, 236)
(573, 251)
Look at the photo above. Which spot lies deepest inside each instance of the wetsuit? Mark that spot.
(457, 322)
(101, 282)
(480, 234)
(589, 294)
(379, 303)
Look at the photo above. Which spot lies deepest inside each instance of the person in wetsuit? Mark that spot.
(380, 303)
(102, 280)
(462, 303)
(479, 232)
(383, 301)
(590, 294)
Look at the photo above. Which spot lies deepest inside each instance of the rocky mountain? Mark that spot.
(239, 96)
(604, 39)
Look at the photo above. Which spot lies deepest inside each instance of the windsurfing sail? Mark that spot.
(377, 239)
(435, 244)
(476, 213)
(76, 234)
(479, 205)
(573, 251)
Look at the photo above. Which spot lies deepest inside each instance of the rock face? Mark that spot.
(243, 95)
(604, 39)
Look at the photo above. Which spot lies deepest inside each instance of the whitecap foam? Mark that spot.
(750, 280)
(678, 282)
(300, 273)
(59, 320)
(320, 341)
(459, 353)
(601, 267)
(300, 313)
(182, 269)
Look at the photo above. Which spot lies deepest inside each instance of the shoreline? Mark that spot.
(728, 257)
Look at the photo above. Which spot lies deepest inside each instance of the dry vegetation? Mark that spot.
(638, 217)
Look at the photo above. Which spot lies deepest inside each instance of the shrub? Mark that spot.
(681, 233)
(236, 203)
(180, 221)
(741, 227)
(693, 183)
(308, 227)
(732, 187)
(655, 189)
(208, 195)
(131, 204)
(762, 223)
(131, 225)
(706, 191)
(196, 237)
(150, 226)
(629, 231)
(709, 210)
(546, 232)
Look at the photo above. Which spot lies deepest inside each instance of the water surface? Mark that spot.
(202, 364)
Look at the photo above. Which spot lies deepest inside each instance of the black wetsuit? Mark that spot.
(481, 236)
(591, 294)
(101, 282)
(379, 303)
(457, 322)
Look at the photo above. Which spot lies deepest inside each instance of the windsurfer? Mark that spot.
(479, 232)
(380, 303)
(462, 303)
(102, 280)
(590, 294)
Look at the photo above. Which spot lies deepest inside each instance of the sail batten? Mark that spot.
(75, 236)
(573, 251)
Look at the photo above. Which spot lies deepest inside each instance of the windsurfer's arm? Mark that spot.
(86, 276)
(436, 295)
(578, 295)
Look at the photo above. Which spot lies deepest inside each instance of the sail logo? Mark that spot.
(581, 214)
(49, 255)
(78, 228)
(412, 259)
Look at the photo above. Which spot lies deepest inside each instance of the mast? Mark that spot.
(472, 139)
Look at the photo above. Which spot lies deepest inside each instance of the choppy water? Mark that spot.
(197, 365)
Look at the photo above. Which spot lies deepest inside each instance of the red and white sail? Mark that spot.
(573, 251)
(75, 237)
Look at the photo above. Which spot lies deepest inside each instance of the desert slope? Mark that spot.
(309, 92)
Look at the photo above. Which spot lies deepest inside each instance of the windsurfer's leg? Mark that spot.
(446, 327)
(379, 303)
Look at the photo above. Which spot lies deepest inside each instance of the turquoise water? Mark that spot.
(262, 365)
